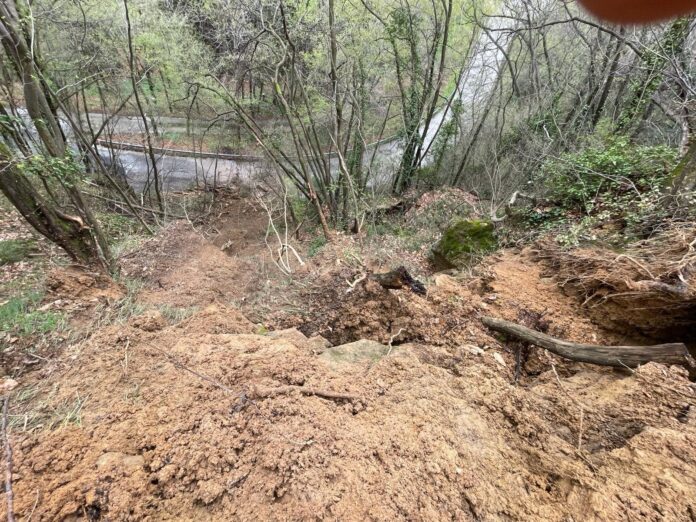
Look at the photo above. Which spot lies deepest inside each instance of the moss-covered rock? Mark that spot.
(462, 241)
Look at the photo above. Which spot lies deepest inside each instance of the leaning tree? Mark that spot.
(42, 180)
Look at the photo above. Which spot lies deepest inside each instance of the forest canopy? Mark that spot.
(343, 100)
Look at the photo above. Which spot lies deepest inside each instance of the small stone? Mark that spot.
(318, 344)
(8, 385)
(133, 461)
(499, 359)
(475, 350)
(150, 321)
(433, 468)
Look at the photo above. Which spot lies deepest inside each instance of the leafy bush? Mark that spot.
(66, 170)
(610, 188)
(583, 180)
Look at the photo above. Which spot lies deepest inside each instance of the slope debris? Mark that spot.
(167, 429)
(217, 417)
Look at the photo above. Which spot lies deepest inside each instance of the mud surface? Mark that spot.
(217, 418)
(165, 431)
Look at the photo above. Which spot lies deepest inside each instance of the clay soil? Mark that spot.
(237, 413)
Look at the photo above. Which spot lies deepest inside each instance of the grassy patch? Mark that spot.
(15, 250)
(316, 245)
(124, 309)
(19, 316)
(129, 307)
(174, 314)
(36, 414)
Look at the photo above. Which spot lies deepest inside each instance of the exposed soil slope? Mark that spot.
(429, 438)
(182, 267)
(153, 421)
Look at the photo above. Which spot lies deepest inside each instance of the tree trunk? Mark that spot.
(69, 232)
(654, 62)
(134, 84)
(616, 356)
(684, 174)
(80, 236)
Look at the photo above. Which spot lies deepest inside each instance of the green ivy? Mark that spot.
(616, 185)
(65, 169)
(583, 180)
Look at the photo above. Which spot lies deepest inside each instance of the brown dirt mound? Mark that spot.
(143, 432)
(516, 288)
(184, 266)
(373, 312)
(79, 292)
(76, 284)
(510, 287)
(649, 287)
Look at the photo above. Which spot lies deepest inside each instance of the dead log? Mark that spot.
(617, 356)
(399, 278)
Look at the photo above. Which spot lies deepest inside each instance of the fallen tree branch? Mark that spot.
(507, 208)
(265, 393)
(257, 392)
(116, 202)
(181, 366)
(616, 356)
(680, 290)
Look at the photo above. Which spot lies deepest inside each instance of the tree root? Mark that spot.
(399, 278)
(265, 393)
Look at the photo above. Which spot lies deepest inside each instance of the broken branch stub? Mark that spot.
(616, 356)
(399, 278)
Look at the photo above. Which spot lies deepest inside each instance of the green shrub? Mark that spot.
(611, 184)
(581, 181)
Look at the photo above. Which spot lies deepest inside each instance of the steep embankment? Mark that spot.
(214, 417)
(172, 426)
